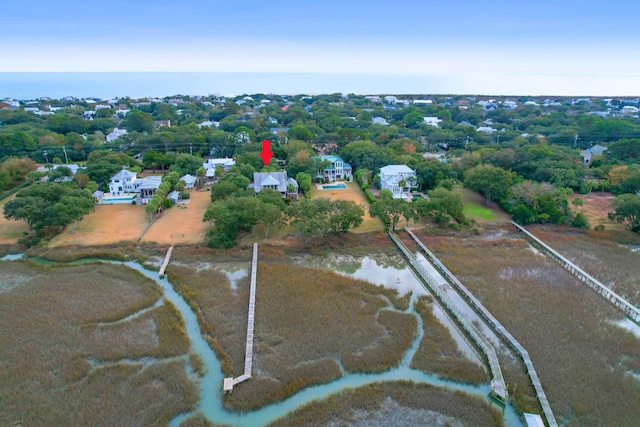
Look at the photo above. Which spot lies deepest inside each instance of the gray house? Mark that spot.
(275, 180)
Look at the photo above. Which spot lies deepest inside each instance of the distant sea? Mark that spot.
(161, 84)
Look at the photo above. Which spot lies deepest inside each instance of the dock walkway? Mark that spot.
(498, 386)
(165, 262)
(248, 356)
(497, 326)
(629, 309)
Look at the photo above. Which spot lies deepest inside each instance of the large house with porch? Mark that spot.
(126, 181)
(398, 179)
(338, 169)
(276, 181)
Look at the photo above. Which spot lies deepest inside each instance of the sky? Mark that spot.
(497, 47)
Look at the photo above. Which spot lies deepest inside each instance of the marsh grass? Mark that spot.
(439, 352)
(582, 359)
(395, 404)
(309, 323)
(50, 373)
(609, 262)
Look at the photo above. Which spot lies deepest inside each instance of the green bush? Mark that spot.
(166, 203)
(370, 197)
(580, 221)
(185, 195)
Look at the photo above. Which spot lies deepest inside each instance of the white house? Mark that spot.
(391, 176)
(485, 129)
(211, 164)
(189, 181)
(338, 169)
(276, 181)
(432, 121)
(122, 182)
(117, 133)
(128, 182)
(379, 121)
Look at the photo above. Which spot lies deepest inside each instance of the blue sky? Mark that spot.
(516, 44)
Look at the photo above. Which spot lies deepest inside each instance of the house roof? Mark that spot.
(189, 179)
(124, 174)
(260, 179)
(395, 170)
(292, 182)
(174, 195)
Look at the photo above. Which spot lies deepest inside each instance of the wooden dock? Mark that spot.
(165, 262)
(229, 383)
(497, 327)
(631, 311)
(498, 386)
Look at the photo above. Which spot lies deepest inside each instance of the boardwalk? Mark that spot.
(629, 309)
(497, 326)
(248, 356)
(165, 262)
(498, 386)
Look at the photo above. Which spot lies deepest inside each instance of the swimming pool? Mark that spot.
(334, 186)
(116, 200)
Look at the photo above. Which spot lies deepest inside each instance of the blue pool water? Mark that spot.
(116, 200)
(334, 186)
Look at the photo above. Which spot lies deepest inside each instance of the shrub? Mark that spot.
(580, 221)
(166, 203)
(185, 195)
(370, 197)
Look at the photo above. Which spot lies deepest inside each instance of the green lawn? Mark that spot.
(475, 211)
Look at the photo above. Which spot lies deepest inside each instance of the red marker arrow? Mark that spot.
(266, 153)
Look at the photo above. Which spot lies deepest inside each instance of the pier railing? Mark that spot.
(498, 387)
(497, 326)
(629, 309)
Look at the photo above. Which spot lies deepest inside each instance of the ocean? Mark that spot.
(161, 84)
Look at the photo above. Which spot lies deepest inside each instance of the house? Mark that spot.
(379, 121)
(393, 175)
(174, 196)
(211, 165)
(485, 129)
(189, 181)
(117, 133)
(162, 123)
(432, 121)
(122, 182)
(588, 154)
(126, 181)
(275, 180)
(209, 124)
(277, 131)
(338, 169)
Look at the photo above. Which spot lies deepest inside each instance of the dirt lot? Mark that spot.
(108, 224)
(10, 231)
(353, 193)
(596, 206)
(181, 225)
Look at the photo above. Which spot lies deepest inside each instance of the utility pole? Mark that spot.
(66, 159)
(190, 149)
(575, 140)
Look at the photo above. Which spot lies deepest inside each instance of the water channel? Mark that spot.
(391, 274)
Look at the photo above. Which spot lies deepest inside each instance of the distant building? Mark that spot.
(432, 121)
(128, 182)
(587, 155)
(379, 121)
(338, 169)
(392, 176)
(117, 133)
(189, 181)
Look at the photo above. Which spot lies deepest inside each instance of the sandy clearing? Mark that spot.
(178, 225)
(108, 224)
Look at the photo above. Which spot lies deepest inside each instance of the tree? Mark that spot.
(270, 215)
(138, 121)
(301, 133)
(627, 208)
(186, 164)
(391, 210)
(491, 181)
(48, 206)
(304, 181)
